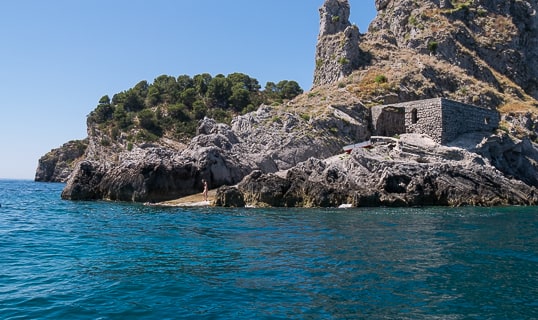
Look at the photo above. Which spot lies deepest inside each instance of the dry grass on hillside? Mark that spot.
(318, 99)
(519, 107)
(397, 72)
(372, 84)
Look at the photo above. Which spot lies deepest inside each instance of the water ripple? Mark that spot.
(100, 260)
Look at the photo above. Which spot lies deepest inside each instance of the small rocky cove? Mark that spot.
(291, 155)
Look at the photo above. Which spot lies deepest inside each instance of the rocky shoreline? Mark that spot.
(290, 154)
(409, 171)
(269, 139)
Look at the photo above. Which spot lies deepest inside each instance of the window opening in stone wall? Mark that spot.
(414, 116)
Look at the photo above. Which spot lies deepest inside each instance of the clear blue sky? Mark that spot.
(58, 57)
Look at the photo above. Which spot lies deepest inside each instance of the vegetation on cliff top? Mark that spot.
(170, 107)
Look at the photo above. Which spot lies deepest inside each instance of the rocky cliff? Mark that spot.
(284, 155)
(412, 170)
(478, 52)
(57, 165)
(270, 139)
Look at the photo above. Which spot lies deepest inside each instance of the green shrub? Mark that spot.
(123, 119)
(105, 142)
(343, 60)
(248, 109)
(305, 117)
(460, 6)
(179, 112)
(172, 106)
(145, 135)
(275, 119)
(432, 46)
(101, 114)
(220, 115)
(199, 110)
(380, 79)
(147, 119)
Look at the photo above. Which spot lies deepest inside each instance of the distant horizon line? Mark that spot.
(25, 179)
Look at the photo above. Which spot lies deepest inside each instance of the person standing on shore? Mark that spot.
(205, 189)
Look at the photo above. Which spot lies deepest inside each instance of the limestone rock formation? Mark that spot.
(513, 157)
(229, 197)
(57, 165)
(337, 50)
(478, 52)
(409, 171)
(269, 139)
(151, 173)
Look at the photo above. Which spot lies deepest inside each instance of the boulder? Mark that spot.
(229, 197)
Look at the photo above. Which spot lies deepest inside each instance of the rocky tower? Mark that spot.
(337, 49)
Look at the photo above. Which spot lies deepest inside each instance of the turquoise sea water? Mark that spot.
(99, 260)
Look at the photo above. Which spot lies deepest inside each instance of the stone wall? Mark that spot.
(424, 117)
(388, 120)
(459, 118)
(443, 120)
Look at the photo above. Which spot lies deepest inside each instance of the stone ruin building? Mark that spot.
(441, 119)
(338, 54)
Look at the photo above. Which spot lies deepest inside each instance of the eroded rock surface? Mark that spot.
(409, 171)
(337, 50)
(57, 165)
(268, 140)
(475, 52)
